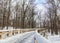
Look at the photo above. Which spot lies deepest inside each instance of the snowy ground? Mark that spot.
(29, 37)
(51, 39)
(28, 40)
(54, 39)
(41, 39)
(16, 38)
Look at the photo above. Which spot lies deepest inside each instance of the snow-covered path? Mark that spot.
(30, 37)
(17, 38)
(41, 39)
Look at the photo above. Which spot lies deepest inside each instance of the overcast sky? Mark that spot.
(40, 7)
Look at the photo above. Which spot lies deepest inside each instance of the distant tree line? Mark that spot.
(52, 19)
(54, 16)
(19, 15)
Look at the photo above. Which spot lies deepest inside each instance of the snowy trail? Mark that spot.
(41, 39)
(29, 39)
(28, 36)
(16, 38)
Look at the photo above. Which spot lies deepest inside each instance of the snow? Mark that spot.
(5, 28)
(29, 40)
(16, 38)
(54, 39)
(28, 37)
(41, 39)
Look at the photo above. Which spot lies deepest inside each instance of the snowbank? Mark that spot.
(41, 39)
(54, 39)
(16, 38)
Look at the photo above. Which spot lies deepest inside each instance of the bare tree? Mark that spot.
(9, 12)
(39, 18)
(53, 15)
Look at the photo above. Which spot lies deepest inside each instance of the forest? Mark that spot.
(27, 14)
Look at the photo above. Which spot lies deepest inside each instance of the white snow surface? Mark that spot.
(16, 38)
(28, 37)
(41, 39)
(54, 39)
